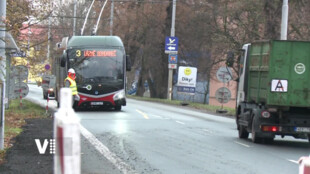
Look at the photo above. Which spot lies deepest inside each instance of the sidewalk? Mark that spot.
(24, 157)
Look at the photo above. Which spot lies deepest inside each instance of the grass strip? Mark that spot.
(206, 107)
(14, 120)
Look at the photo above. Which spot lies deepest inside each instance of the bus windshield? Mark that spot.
(93, 66)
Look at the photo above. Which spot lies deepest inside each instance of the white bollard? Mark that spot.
(67, 159)
(304, 165)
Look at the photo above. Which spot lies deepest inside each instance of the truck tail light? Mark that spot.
(265, 114)
(270, 128)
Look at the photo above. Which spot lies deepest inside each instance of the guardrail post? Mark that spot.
(67, 159)
(20, 98)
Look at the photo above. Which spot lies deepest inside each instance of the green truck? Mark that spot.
(273, 95)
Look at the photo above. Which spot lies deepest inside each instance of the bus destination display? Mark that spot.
(96, 53)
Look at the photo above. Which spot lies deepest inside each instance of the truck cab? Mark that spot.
(242, 85)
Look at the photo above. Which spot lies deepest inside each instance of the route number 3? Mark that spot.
(78, 53)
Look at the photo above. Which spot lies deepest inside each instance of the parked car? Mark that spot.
(48, 86)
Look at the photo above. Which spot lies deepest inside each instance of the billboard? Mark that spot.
(187, 79)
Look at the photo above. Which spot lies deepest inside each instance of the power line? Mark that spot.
(71, 17)
(137, 1)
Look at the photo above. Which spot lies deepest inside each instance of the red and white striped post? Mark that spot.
(67, 159)
(47, 100)
(304, 165)
(20, 98)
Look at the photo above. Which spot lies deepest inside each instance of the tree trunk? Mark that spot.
(273, 24)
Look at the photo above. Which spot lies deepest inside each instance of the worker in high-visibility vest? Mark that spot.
(70, 83)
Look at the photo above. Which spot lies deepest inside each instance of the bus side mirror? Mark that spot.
(128, 63)
(63, 60)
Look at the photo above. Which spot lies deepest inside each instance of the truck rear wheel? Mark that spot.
(243, 133)
(255, 138)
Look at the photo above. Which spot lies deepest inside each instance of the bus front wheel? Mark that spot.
(118, 107)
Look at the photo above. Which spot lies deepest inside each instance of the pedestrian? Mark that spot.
(70, 83)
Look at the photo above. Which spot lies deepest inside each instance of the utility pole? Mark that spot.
(74, 17)
(2, 68)
(112, 16)
(284, 20)
(172, 35)
(48, 38)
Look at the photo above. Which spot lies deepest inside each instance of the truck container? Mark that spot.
(274, 90)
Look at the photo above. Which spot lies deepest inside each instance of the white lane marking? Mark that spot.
(117, 162)
(142, 113)
(206, 130)
(157, 116)
(179, 122)
(245, 145)
(293, 161)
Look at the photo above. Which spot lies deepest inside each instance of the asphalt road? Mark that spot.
(147, 137)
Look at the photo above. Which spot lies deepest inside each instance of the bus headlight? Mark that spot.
(119, 95)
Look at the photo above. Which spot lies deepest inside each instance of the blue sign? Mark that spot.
(185, 89)
(47, 67)
(171, 45)
(173, 59)
(18, 54)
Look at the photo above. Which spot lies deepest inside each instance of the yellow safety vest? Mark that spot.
(72, 86)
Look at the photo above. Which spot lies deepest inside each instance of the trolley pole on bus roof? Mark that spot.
(2, 68)
(112, 16)
(74, 17)
(172, 35)
(99, 17)
(85, 21)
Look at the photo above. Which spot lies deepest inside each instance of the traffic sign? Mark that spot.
(47, 67)
(172, 66)
(223, 95)
(20, 72)
(173, 58)
(19, 54)
(171, 45)
(20, 89)
(224, 74)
